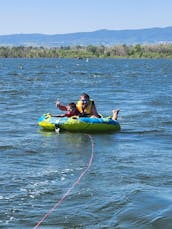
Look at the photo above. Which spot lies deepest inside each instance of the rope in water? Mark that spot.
(72, 187)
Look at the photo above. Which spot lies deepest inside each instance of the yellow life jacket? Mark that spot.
(87, 110)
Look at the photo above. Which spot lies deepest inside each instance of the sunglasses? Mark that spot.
(70, 109)
(84, 100)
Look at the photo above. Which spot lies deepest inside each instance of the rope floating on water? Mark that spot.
(72, 187)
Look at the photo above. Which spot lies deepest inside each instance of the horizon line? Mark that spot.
(48, 34)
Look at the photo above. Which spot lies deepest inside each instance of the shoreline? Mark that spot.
(151, 51)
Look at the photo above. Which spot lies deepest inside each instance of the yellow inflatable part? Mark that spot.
(82, 124)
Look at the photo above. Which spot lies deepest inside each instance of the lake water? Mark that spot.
(129, 184)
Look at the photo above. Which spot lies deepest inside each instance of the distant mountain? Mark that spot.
(100, 37)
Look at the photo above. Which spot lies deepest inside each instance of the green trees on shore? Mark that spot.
(91, 51)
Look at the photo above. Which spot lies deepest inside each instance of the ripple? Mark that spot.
(129, 183)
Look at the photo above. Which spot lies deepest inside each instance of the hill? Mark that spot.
(100, 37)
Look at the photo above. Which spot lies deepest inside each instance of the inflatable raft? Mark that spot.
(79, 124)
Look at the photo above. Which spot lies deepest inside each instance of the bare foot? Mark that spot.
(115, 114)
(116, 111)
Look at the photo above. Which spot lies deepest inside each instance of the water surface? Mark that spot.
(129, 184)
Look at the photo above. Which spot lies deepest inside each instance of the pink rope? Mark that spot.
(69, 189)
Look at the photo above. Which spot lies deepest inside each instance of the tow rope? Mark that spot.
(72, 187)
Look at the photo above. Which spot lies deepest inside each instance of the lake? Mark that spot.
(129, 183)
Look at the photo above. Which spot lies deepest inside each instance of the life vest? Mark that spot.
(87, 110)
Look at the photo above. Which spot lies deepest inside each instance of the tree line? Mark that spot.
(91, 51)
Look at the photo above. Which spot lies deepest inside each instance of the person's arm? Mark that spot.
(94, 111)
(60, 115)
(60, 106)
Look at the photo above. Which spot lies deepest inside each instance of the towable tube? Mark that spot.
(79, 124)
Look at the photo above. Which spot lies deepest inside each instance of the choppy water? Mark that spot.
(129, 185)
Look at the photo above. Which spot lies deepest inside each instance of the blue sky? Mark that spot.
(68, 16)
